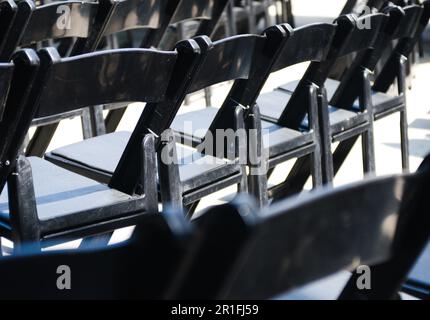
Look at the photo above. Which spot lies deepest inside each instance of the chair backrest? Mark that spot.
(377, 222)
(307, 43)
(16, 82)
(206, 12)
(8, 11)
(103, 77)
(352, 35)
(404, 47)
(229, 59)
(156, 16)
(139, 269)
(57, 20)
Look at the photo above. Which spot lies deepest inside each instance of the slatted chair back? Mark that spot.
(352, 36)
(16, 83)
(141, 268)
(380, 222)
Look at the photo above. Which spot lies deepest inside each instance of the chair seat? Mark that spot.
(272, 104)
(330, 85)
(66, 200)
(194, 125)
(382, 102)
(100, 156)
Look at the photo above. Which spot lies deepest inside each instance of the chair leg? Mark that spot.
(326, 138)
(257, 184)
(87, 131)
(97, 121)
(25, 144)
(368, 149)
(327, 162)
(288, 13)
(243, 186)
(41, 139)
(208, 96)
(113, 119)
(317, 179)
(231, 19)
(168, 172)
(404, 139)
(22, 201)
(149, 173)
(257, 158)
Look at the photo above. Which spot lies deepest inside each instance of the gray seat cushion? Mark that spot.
(276, 139)
(381, 101)
(330, 85)
(103, 153)
(61, 194)
(273, 103)
(194, 124)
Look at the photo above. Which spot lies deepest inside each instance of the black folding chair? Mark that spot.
(141, 268)
(200, 172)
(54, 203)
(408, 31)
(309, 43)
(380, 222)
(336, 123)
